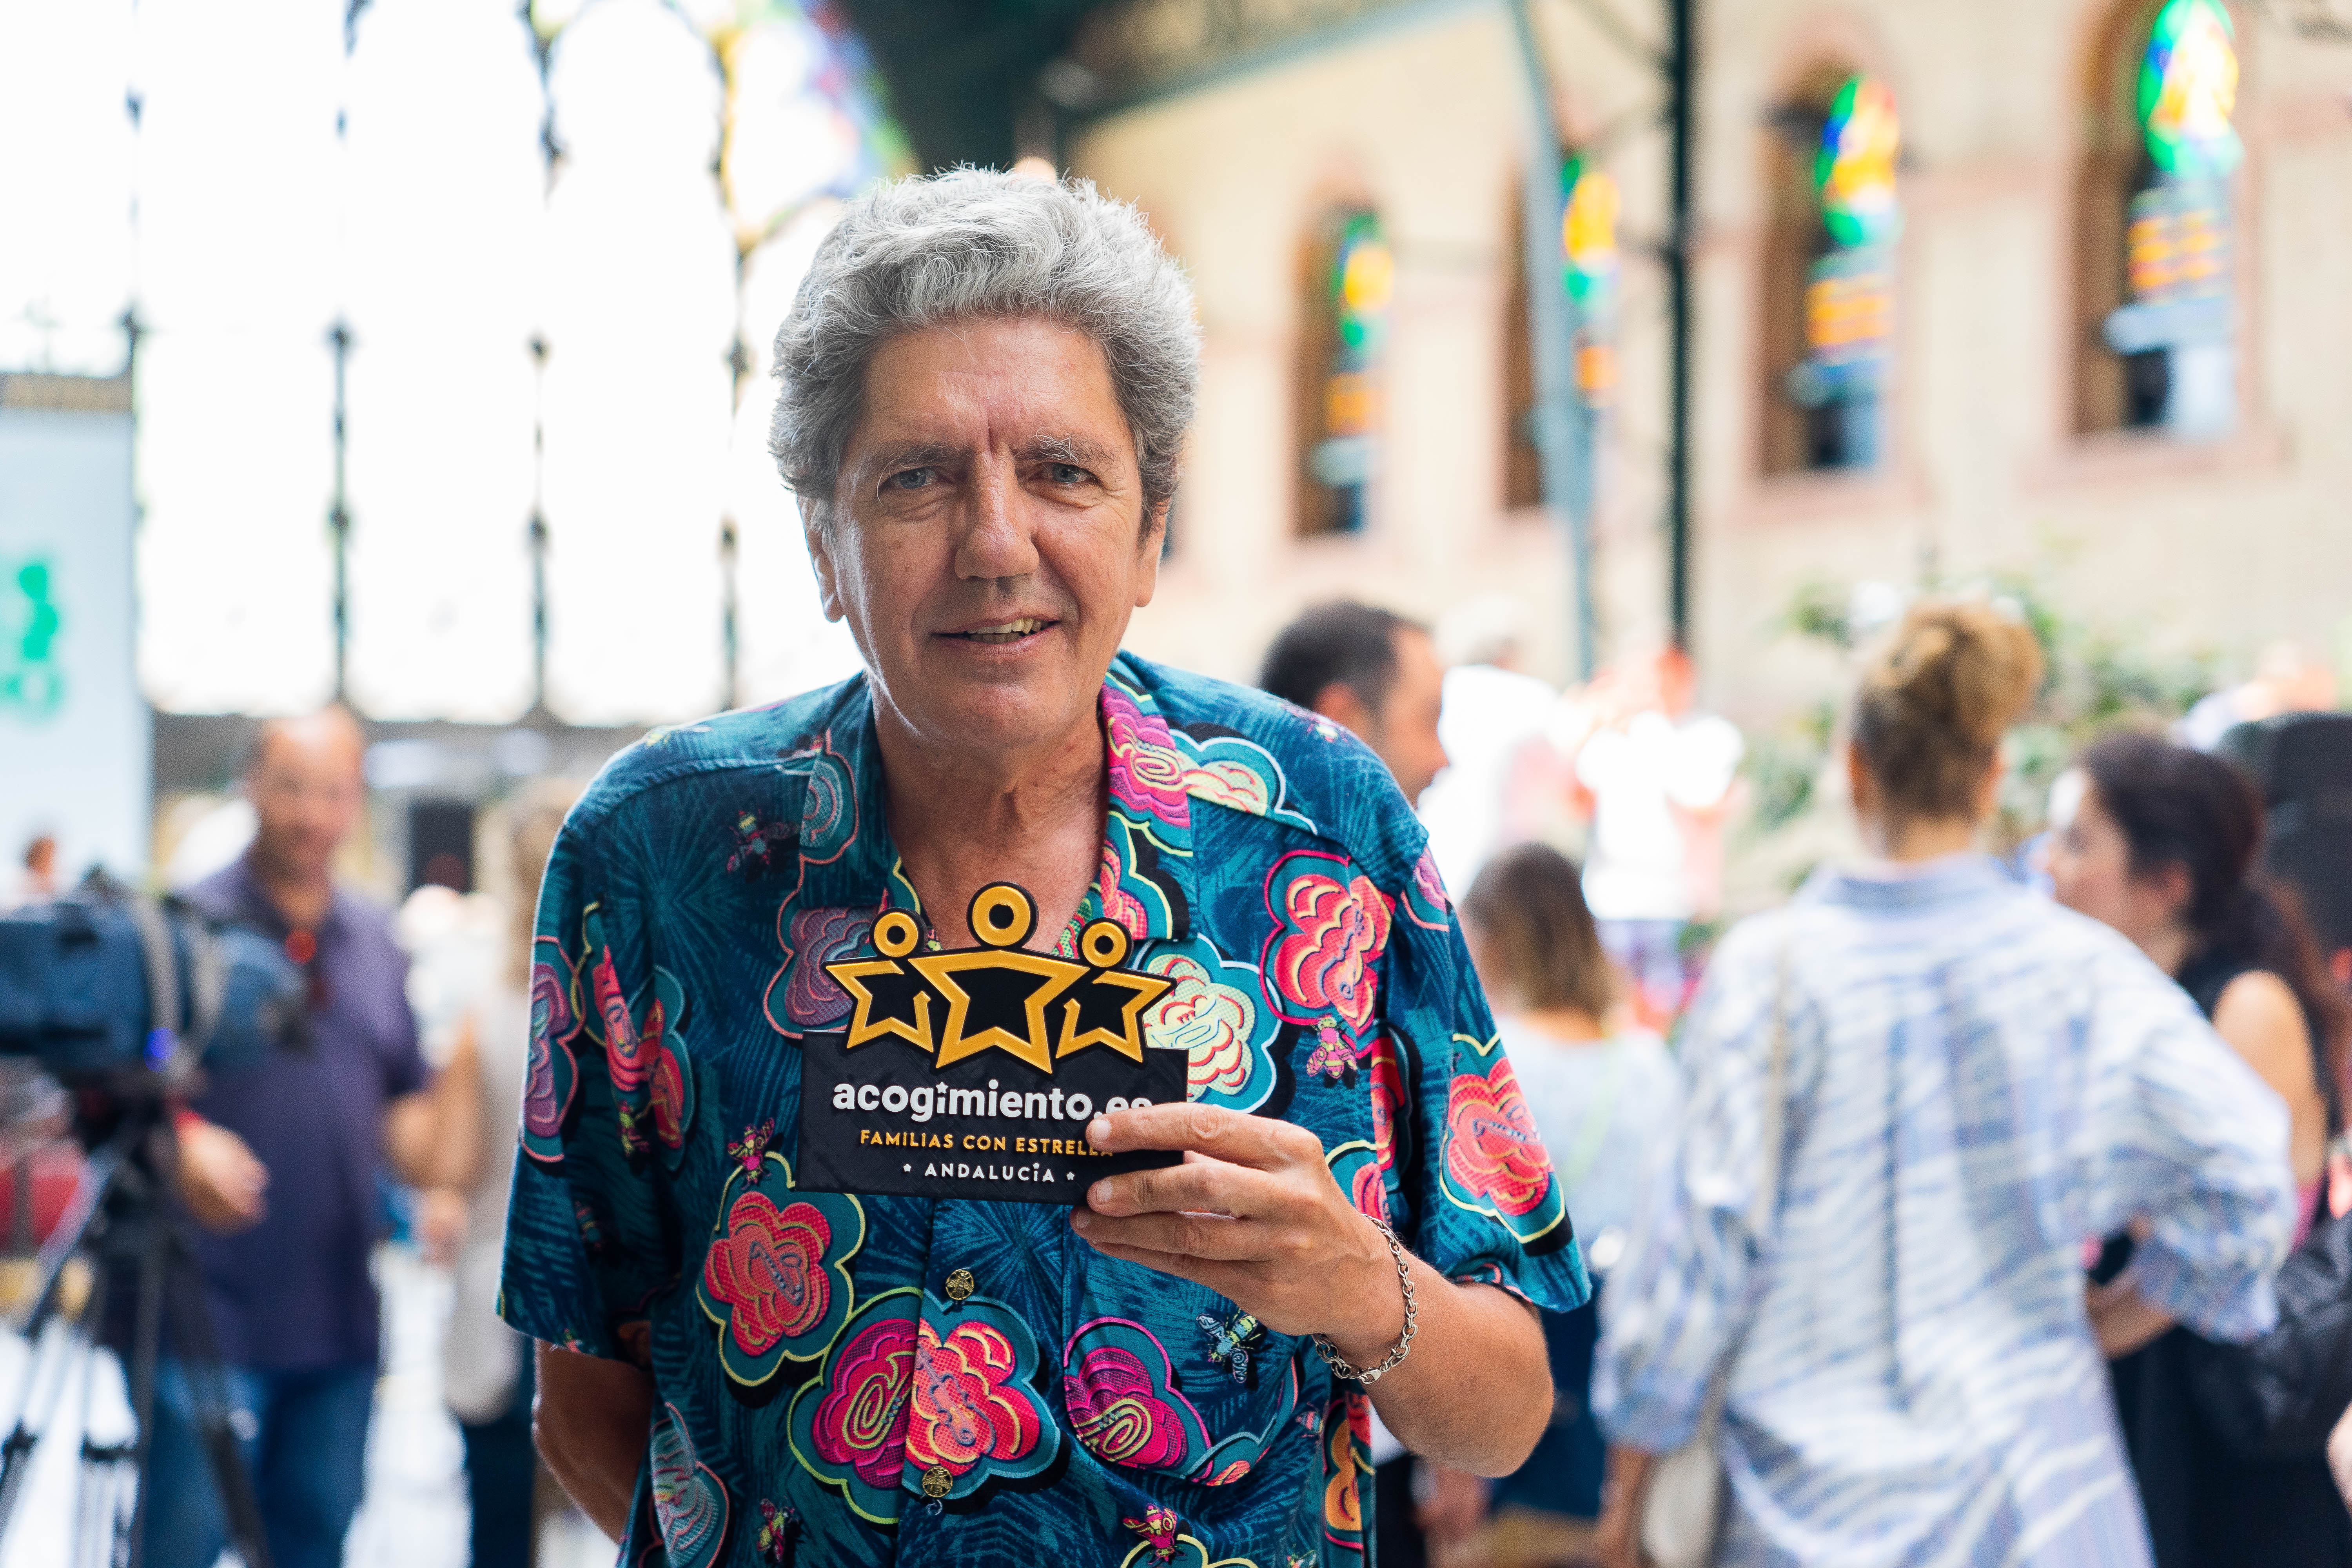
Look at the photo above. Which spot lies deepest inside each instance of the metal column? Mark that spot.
(1563, 426)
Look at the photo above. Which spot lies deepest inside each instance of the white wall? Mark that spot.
(74, 760)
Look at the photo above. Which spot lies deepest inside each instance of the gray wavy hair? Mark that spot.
(975, 243)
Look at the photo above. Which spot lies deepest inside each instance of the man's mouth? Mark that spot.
(1004, 631)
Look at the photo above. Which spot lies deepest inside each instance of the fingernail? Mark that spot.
(1098, 1132)
(1083, 1218)
(1100, 1193)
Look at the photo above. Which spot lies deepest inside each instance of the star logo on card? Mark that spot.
(997, 996)
(1106, 1008)
(1003, 1077)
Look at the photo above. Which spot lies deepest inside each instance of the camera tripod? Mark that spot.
(122, 1218)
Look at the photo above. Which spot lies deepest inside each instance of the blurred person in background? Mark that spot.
(37, 880)
(1502, 782)
(1659, 778)
(485, 1366)
(1374, 674)
(1602, 1097)
(1940, 1083)
(2287, 679)
(2164, 844)
(278, 1163)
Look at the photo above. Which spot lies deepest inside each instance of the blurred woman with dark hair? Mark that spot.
(1855, 1286)
(2164, 844)
(1602, 1101)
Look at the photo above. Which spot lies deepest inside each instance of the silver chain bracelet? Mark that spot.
(1340, 1365)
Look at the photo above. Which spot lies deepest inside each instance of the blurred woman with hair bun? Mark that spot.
(1909, 1098)
(2164, 844)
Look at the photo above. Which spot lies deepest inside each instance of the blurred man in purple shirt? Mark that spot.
(279, 1164)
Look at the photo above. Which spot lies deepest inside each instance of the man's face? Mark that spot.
(989, 539)
(305, 788)
(1405, 728)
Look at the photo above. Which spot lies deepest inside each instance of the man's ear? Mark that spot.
(1861, 788)
(1989, 790)
(1345, 707)
(820, 550)
(1155, 538)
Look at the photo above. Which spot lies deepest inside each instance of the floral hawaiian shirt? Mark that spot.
(863, 1379)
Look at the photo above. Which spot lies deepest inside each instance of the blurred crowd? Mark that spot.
(1952, 1130)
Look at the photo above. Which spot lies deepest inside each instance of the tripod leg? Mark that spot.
(46, 1365)
(84, 1217)
(192, 1327)
(98, 1488)
(105, 1491)
(146, 1344)
(84, 1222)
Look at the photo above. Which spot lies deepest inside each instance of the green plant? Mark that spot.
(2096, 677)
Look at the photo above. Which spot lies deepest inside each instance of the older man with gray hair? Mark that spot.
(836, 1242)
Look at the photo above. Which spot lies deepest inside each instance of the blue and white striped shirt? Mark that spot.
(1976, 1082)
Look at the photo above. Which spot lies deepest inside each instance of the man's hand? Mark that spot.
(433, 1138)
(219, 1178)
(443, 1217)
(1617, 1538)
(2121, 1318)
(1252, 1214)
(1454, 1508)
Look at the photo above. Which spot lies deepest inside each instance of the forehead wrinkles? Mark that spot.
(1003, 383)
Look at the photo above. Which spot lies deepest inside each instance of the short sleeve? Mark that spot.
(586, 1246)
(2183, 1136)
(1483, 1205)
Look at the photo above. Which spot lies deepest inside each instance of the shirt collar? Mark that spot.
(258, 908)
(1146, 881)
(1886, 885)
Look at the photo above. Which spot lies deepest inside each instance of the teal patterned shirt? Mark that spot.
(867, 1379)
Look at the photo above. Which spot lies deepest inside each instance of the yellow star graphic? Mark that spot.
(1126, 1039)
(852, 976)
(959, 1040)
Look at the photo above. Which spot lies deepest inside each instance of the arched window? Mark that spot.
(1829, 284)
(1349, 278)
(2154, 236)
(1589, 245)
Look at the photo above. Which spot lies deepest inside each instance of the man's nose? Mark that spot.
(998, 539)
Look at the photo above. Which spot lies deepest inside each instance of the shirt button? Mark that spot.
(938, 1482)
(960, 1284)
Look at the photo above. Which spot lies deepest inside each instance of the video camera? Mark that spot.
(108, 988)
(124, 1000)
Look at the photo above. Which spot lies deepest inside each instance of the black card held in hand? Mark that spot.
(973, 1073)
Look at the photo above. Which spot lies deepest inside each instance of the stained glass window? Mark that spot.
(1590, 205)
(1588, 236)
(238, 245)
(65, 186)
(2174, 329)
(262, 180)
(446, 203)
(1849, 285)
(1353, 283)
(640, 313)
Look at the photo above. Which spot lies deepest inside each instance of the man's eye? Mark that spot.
(1066, 474)
(911, 480)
